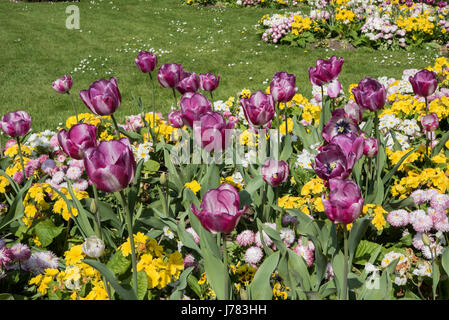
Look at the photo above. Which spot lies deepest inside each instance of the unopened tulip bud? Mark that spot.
(93, 247)
(163, 178)
(425, 239)
(93, 206)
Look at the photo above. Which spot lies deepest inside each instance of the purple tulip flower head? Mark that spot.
(332, 162)
(79, 138)
(146, 61)
(16, 124)
(424, 83)
(325, 71)
(370, 94)
(220, 209)
(193, 106)
(282, 87)
(102, 97)
(189, 82)
(259, 109)
(371, 147)
(352, 145)
(275, 172)
(339, 123)
(210, 131)
(430, 122)
(345, 201)
(169, 75)
(111, 165)
(63, 85)
(208, 81)
(175, 119)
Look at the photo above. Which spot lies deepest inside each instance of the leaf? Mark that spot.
(440, 144)
(16, 210)
(386, 179)
(365, 251)
(287, 148)
(260, 288)
(142, 284)
(46, 231)
(182, 284)
(357, 232)
(435, 277)
(445, 260)
(123, 290)
(118, 263)
(151, 166)
(338, 263)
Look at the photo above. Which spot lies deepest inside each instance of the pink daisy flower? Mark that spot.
(419, 196)
(253, 255)
(20, 252)
(5, 256)
(417, 241)
(73, 173)
(421, 221)
(440, 201)
(398, 218)
(189, 261)
(266, 238)
(245, 238)
(306, 253)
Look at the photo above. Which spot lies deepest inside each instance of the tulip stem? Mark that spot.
(377, 136)
(116, 126)
(345, 245)
(74, 107)
(154, 107)
(427, 132)
(1, 145)
(212, 100)
(225, 262)
(97, 213)
(279, 130)
(128, 221)
(174, 96)
(21, 159)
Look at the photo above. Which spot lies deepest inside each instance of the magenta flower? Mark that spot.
(6, 256)
(208, 81)
(282, 87)
(210, 133)
(78, 139)
(325, 71)
(353, 112)
(175, 119)
(352, 145)
(146, 61)
(274, 172)
(345, 201)
(430, 122)
(63, 85)
(370, 94)
(169, 75)
(371, 147)
(16, 124)
(340, 123)
(332, 162)
(189, 82)
(20, 252)
(259, 109)
(424, 83)
(220, 209)
(193, 106)
(102, 97)
(111, 165)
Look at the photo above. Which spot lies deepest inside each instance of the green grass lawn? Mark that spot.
(37, 49)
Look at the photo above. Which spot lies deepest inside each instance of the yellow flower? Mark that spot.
(194, 186)
(74, 255)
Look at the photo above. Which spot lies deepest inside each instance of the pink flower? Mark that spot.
(253, 255)
(196, 237)
(398, 218)
(306, 253)
(420, 221)
(245, 238)
(189, 261)
(419, 196)
(440, 201)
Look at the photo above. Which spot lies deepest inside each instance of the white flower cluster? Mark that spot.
(41, 141)
(142, 151)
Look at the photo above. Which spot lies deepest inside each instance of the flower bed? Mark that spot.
(246, 3)
(349, 183)
(375, 24)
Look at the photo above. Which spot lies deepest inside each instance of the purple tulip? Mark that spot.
(169, 75)
(339, 123)
(353, 111)
(79, 138)
(371, 147)
(211, 131)
(282, 87)
(333, 89)
(345, 201)
(352, 145)
(193, 106)
(325, 71)
(430, 122)
(332, 162)
(146, 61)
(370, 94)
(424, 83)
(275, 172)
(111, 165)
(220, 209)
(208, 81)
(259, 109)
(63, 85)
(175, 119)
(16, 124)
(102, 97)
(189, 82)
